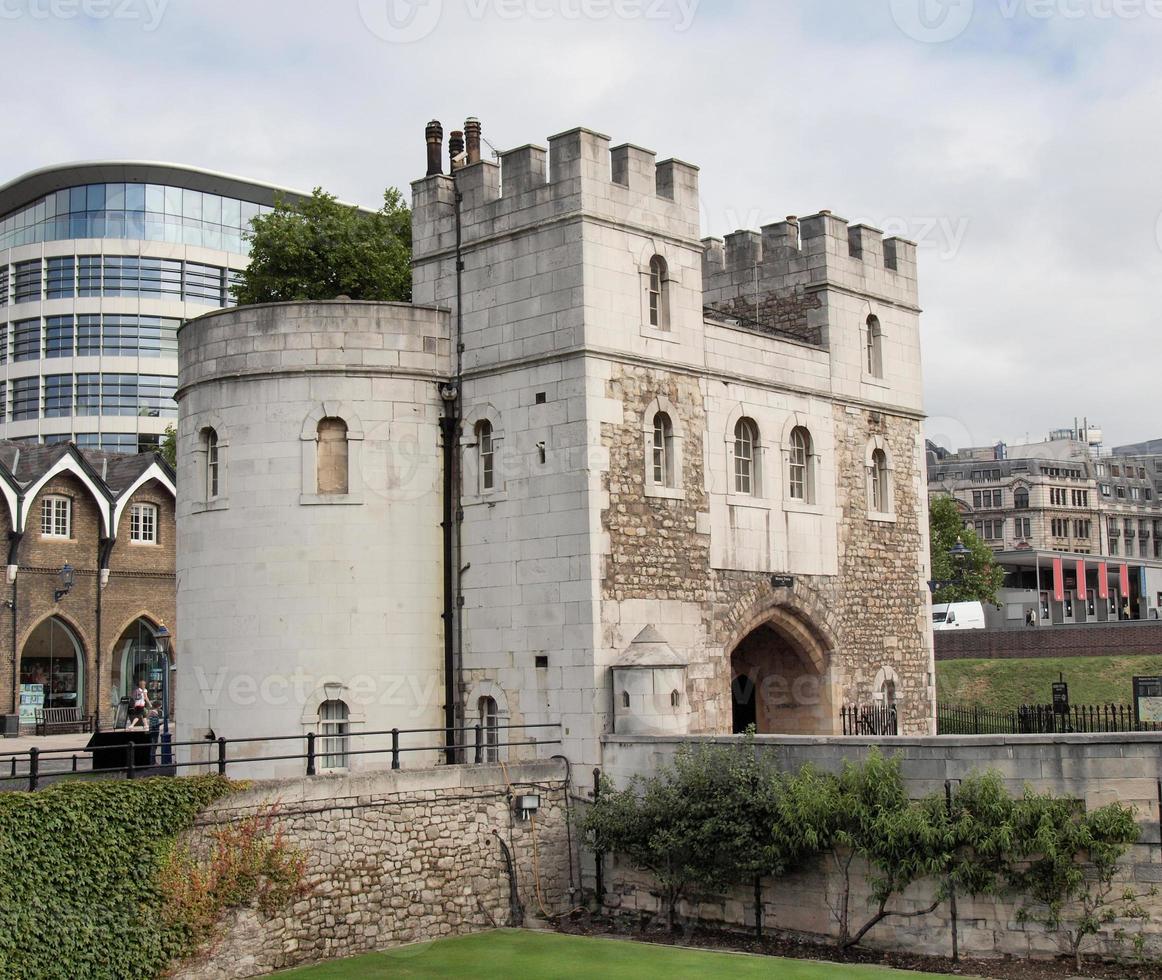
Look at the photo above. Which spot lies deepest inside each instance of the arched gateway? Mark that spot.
(781, 677)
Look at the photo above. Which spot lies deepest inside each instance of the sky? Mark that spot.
(1017, 141)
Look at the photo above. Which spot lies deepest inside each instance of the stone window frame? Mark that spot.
(885, 676)
(879, 444)
(309, 439)
(311, 717)
(662, 405)
(489, 689)
(872, 352)
(204, 502)
(761, 479)
(473, 491)
(655, 249)
(811, 503)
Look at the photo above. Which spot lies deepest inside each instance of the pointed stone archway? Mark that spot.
(781, 678)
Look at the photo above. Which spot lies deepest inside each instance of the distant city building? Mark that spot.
(1034, 504)
(99, 265)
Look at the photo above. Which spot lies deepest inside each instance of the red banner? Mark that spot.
(1058, 581)
(1103, 581)
(1124, 581)
(1081, 590)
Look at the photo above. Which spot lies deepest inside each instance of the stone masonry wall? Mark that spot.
(785, 310)
(1097, 769)
(395, 858)
(871, 616)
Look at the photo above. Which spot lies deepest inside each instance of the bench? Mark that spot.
(50, 720)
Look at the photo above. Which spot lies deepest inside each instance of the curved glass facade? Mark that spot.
(88, 329)
(136, 212)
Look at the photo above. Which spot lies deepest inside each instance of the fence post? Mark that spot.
(598, 855)
(310, 753)
(479, 744)
(33, 769)
(221, 755)
(130, 759)
(395, 748)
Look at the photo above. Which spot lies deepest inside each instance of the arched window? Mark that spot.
(874, 353)
(490, 728)
(1021, 498)
(746, 438)
(888, 692)
(879, 484)
(658, 305)
(332, 456)
(333, 722)
(801, 478)
(675, 699)
(663, 451)
(485, 454)
(213, 463)
(625, 699)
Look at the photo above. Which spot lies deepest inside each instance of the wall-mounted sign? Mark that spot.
(1148, 700)
(1060, 698)
(782, 581)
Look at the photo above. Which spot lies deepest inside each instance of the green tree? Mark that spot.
(317, 249)
(974, 577)
(169, 446)
(1067, 862)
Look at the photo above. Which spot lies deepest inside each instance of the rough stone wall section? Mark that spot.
(1097, 769)
(396, 858)
(784, 310)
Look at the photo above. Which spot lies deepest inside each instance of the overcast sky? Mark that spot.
(1017, 140)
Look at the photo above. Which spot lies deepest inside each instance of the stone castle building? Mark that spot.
(602, 473)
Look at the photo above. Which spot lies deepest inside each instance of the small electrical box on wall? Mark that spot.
(527, 804)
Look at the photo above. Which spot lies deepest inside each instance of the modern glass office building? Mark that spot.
(99, 265)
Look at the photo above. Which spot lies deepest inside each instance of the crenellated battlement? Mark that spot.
(577, 173)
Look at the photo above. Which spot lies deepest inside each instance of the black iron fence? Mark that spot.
(869, 719)
(1038, 719)
(138, 758)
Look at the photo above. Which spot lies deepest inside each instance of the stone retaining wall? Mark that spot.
(397, 857)
(1097, 769)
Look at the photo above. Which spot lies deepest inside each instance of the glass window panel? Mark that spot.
(26, 340)
(114, 224)
(155, 198)
(212, 209)
(173, 201)
(135, 225)
(58, 337)
(88, 394)
(134, 197)
(192, 204)
(77, 199)
(25, 398)
(231, 212)
(95, 197)
(62, 202)
(58, 396)
(249, 212)
(115, 197)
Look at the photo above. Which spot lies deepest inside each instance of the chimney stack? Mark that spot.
(455, 150)
(472, 138)
(434, 134)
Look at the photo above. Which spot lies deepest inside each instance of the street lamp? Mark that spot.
(67, 577)
(958, 552)
(162, 637)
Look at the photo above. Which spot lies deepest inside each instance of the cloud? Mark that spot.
(1023, 144)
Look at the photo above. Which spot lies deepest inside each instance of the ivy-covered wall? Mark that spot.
(79, 876)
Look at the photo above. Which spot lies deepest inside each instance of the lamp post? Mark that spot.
(66, 577)
(958, 553)
(162, 637)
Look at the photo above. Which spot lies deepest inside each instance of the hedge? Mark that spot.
(79, 883)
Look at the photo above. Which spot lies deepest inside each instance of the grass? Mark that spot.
(1006, 684)
(537, 955)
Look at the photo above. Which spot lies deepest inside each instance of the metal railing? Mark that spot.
(35, 766)
(1039, 719)
(870, 719)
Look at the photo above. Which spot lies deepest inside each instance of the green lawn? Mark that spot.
(540, 955)
(1005, 684)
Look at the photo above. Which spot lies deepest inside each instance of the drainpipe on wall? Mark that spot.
(14, 539)
(104, 550)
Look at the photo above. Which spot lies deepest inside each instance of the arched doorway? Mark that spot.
(781, 680)
(140, 657)
(52, 669)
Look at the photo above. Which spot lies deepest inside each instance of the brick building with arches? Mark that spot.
(89, 578)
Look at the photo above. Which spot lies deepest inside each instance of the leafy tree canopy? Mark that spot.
(317, 249)
(974, 577)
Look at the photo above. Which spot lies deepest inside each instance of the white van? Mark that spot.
(957, 616)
